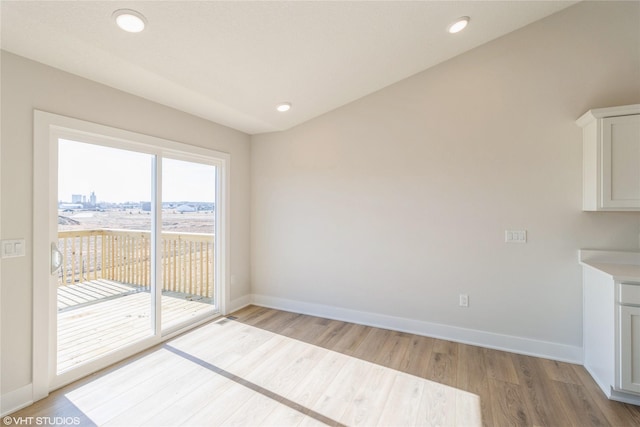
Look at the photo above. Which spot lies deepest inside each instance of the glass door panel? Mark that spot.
(104, 233)
(188, 241)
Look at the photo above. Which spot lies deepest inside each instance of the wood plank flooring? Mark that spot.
(269, 367)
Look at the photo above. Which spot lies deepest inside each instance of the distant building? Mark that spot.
(92, 199)
(76, 198)
(185, 208)
(70, 206)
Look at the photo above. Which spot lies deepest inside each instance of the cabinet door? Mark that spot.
(621, 162)
(630, 348)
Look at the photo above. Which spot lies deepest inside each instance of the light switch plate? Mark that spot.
(515, 236)
(12, 248)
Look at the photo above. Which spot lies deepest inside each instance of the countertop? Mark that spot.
(622, 266)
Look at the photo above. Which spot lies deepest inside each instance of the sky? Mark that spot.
(125, 176)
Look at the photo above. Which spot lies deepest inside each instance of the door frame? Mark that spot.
(48, 128)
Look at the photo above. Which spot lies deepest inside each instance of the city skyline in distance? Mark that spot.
(88, 201)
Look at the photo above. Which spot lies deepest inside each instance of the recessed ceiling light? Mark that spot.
(129, 20)
(284, 106)
(458, 25)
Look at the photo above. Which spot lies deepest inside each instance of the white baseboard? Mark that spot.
(612, 394)
(606, 389)
(513, 344)
(238, 304)
(16, 399)
(625, 397)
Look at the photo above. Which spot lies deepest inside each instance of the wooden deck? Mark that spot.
(99, 316)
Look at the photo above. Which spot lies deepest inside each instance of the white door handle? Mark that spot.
(56, 258)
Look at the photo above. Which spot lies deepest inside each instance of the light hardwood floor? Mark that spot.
(269, 367)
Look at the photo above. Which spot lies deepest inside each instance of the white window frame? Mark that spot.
(48, 128)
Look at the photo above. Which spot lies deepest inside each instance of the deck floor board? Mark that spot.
(99, 316)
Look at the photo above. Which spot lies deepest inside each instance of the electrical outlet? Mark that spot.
(464, 300)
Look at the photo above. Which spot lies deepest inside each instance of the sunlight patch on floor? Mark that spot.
(234, 374)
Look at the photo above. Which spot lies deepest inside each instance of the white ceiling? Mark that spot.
(232, 62)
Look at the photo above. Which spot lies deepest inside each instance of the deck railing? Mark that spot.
(125, 256)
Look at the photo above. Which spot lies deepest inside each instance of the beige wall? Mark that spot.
(27, 85)
(398, 202)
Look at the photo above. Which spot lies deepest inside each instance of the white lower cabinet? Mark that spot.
(630, 348)
(611, 335)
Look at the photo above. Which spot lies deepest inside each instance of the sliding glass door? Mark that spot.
(128, 244)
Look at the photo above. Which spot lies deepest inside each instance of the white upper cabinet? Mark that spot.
(611, 159)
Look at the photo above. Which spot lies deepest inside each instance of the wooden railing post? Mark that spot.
(103, 258)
